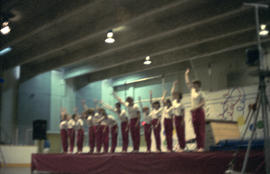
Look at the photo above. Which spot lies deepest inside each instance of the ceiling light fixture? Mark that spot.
(263, 31)
(5, 29)
(147, 60)
(5, 51)
(110, 38)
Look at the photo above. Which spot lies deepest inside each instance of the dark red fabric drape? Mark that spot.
(142, 163)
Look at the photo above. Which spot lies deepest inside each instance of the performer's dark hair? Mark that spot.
(169, 101)
(145, 108)
(156, 103)
(118, 104)
(129, 98)
(198, 82)
(90, 111)
(64, 117)
(180, 96)
(73, 116)
(102, 109)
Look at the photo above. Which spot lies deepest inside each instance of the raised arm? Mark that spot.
(163, 97)
(100, 120)
(118, 98)
(85, 107)
(63, 111)
(187, 78)
(106, 106)
(151, 97)
(174, 87)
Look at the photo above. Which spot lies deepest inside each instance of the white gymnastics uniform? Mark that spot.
(134, 124)
(96, 118)
(79, 124)
(196, 97)
(71, 124)
(156, 113)
(132, 110)
(122, 115)
(147, 118)
(109, 121)
(63, 124)
(89, 121)
(168, 112)
(178, 108)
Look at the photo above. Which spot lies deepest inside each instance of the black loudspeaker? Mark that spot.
(39, 129)
(252, 57)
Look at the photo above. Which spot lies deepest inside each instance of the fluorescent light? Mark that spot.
(109, 40)
(263, 26)
(147, 62)
(110, 34)
(5, 51)
(5, 30)
(263, 32)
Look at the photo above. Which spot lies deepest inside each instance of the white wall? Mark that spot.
(17, 154)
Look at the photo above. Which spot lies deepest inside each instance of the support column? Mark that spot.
(9, 96)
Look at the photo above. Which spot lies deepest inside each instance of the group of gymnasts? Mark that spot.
(100, 124)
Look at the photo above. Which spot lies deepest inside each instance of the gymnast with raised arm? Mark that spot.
(179, 116)
(168, 113)
(197, 111)
(147, 124)
(134, 120)
(156, 114)
(63, 130)
(122, 116)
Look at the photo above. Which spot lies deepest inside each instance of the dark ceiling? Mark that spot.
(68, 34)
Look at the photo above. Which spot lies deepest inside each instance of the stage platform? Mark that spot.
(145, 163)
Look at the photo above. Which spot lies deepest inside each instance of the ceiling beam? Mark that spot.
(188, 38)
(170, 57)
(81, 25)
(165, 63)
(70, 59)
